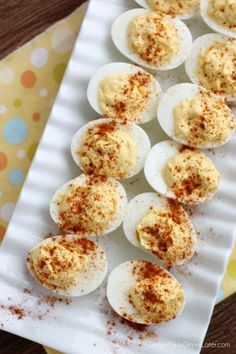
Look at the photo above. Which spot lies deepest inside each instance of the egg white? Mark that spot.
(191, 63)
(81, 180)
(89, 280)
(138, 207)
(155, 162)
(120, 38)
(117, 69)
(137, 134)
(215, 26)
(185, 16)
(165, 112)
(121, 280)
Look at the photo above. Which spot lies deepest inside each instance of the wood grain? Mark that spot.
(222, 328)
(10, 344)
(21, 20)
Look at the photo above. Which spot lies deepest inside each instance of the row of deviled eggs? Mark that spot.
(111, 149)
(219, 15)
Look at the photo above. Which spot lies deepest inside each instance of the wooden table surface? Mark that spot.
(21, 20)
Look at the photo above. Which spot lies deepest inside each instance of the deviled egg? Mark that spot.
(68, 265)
(160, 226)
(220, 15)
(212, 64)
(110, 147)
(181, 173)
(194, 116)
(151, 39)
(121, 90)
(182, 9)
(89, 205)
(145, 293)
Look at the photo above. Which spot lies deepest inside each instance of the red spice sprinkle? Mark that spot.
(154, 52)
(52, 300)
(80, 204)
(27, 291)
(15, 310)
(136, 81)
(136, 326)
(133, 331)
(105, 128)
(150, 296)
(184, 148)
(145, 269)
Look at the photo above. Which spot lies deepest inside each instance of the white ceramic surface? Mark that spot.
(81, 327)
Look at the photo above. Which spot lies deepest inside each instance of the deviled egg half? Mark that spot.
(194, 116)
(121, 90)
(110, 147)
(160, 226)
(181, 173)
(145, 293)
(68, 265)
(212, 64)
(182, 9)
(220, 15)
(89, 205)
(152, 39)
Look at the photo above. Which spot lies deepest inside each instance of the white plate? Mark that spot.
(81, 327)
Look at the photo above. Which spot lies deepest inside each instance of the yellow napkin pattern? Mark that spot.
(29, 81)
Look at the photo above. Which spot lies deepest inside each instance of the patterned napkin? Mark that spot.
(29, 81)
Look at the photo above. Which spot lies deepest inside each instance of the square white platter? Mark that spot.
(82, 326)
